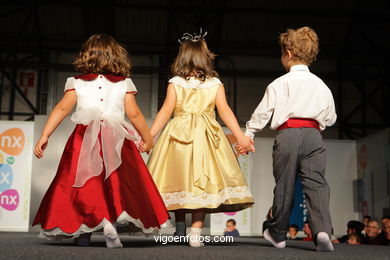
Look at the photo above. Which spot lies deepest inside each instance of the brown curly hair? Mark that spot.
(194, 60)
(302, 43)
(102, 54)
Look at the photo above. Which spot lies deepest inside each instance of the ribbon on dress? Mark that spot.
(93, 155)
(200, 125)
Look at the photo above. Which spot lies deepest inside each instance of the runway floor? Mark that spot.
(29, 246)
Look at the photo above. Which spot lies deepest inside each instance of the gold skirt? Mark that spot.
(194, 166)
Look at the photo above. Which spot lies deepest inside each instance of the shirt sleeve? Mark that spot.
(69, 85)
(331, 115)
(262, 113)
(130, 87)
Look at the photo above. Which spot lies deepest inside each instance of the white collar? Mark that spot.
(300, 67)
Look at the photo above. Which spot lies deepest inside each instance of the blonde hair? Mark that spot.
(302, 43)
(194, 60)
(103, 54)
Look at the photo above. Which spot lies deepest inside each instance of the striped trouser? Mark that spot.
(299, 151)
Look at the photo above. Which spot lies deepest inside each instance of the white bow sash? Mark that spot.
(113, 130)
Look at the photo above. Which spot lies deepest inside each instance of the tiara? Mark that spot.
(192, 37)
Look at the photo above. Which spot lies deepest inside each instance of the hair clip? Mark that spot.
(194, 38)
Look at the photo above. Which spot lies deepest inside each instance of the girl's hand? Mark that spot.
(241, 149)
(247, 143)
(145, 147)
(41, 146)
(140, 148)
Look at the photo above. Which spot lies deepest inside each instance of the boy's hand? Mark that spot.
(251, 148)
(41, 146)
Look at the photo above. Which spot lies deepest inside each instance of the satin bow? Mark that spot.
(201, 125)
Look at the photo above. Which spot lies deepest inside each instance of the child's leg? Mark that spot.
(111, 236)
(180, 221)
(285, 168)
(196, 228)
(198, 219)
(317, 192)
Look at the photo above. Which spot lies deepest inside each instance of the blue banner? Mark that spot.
(299, 211)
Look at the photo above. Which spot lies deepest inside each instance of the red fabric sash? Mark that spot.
(300, 122)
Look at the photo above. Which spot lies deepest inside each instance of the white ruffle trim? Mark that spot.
(124, 218)
(184, 197)
(195, 83)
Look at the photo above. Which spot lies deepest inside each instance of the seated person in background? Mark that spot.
(333, 238)
(354, 239)
(353, 226)
(366, 219)
(231, 229)
(292, 232)
(373, 234)
(387, 231)
(384, 220)
(306, 229)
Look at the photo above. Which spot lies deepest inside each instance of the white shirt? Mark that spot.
(297, 94)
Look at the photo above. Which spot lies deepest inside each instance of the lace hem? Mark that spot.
(184, 197)
(124, 218)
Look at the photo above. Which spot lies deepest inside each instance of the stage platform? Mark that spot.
(29, 246)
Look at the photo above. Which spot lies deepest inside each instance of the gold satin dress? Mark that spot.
(193, 163)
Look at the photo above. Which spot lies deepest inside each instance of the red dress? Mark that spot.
(127, 195)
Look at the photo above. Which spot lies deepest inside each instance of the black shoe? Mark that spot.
(83, 240)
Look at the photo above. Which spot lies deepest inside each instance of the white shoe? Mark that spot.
(323, 243)
(194, 237)
(268, 237)
(111, 236)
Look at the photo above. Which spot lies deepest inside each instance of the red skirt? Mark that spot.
(129, 195)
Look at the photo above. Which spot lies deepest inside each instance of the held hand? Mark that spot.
(251, 147)
(41, 146)
(247, 143)
(241, 149)
(140, 146)
(145, 147)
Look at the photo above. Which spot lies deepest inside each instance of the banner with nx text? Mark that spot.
(15, 174)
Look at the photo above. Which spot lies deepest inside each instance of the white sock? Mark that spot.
(268, 237)
(323, 243)
(111, 236)
(194, 237)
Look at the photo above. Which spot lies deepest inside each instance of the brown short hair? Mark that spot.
(194, 59)
(101, 53)
(231, 221)
(357, 237)
(302, 43)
